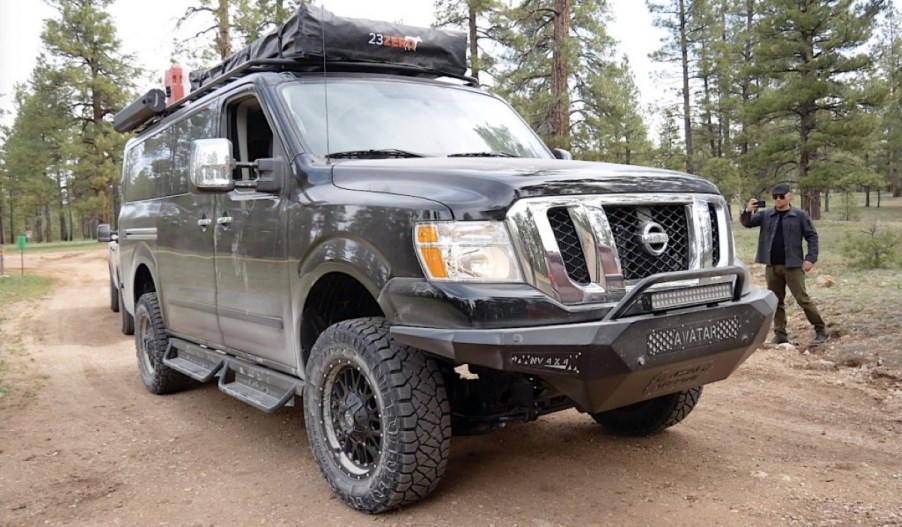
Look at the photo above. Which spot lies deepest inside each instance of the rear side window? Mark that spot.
(158, 166)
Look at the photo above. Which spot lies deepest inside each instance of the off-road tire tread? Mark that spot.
(162, 379)
(651, 416)
(416, 416)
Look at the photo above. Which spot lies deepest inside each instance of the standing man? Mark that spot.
(780, 249)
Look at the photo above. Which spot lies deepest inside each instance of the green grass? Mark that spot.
(12, 250)
(16, 288)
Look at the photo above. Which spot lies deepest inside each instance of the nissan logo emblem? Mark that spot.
(654, 239)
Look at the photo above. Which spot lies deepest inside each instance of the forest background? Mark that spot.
(803, 91)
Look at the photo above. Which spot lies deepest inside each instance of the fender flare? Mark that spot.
(352, 256)
(142, 255)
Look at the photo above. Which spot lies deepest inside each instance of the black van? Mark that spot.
(338, 213)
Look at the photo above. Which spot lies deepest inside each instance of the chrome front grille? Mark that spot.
(593, 249)
(715, 232)
(568, 243)
(628, 223)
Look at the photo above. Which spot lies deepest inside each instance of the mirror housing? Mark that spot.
(104, 234)
(270, 174)
(560, 153)
(211, 165)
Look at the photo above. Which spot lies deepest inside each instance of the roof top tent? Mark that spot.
(315, 39)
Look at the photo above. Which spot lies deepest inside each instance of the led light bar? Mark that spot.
(705, 294)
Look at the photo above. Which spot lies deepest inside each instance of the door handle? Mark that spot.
(224, 220)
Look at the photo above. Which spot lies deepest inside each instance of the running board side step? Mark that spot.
(258, 386)
(199, 363)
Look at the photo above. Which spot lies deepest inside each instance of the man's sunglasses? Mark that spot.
(779, 196)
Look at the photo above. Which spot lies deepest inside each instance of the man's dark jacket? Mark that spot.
(796, 225)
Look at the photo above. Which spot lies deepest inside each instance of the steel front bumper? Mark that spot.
(615, 362)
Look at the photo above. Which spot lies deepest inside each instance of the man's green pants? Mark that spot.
(778, 277)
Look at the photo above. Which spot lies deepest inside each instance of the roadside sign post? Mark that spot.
(21, 243)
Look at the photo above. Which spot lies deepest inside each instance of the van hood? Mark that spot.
(475, 188)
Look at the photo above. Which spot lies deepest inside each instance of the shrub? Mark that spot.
(873, 248)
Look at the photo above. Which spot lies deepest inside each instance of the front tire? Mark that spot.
(377, 416)
(651, 416)
(151, 341)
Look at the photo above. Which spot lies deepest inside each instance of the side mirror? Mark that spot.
(104, 234)
(211, 165)
(560, 153)
(270, 173)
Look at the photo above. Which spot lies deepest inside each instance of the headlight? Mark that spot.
(466, 251)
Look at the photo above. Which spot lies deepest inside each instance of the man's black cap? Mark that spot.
(781, 188)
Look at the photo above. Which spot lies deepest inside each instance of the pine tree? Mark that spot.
(475, 17)
(551, 46)
(683, 20)
(83, 49)
(609, 126)
(806, 51)
(35, 153)
(670, 153)
(231, 25)
(889, 62)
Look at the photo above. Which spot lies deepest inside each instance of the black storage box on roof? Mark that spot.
(312, 29)
(150, 105)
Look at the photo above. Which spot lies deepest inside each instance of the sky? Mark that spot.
(147, 29)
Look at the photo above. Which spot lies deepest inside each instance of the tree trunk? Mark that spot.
(811, 202)
(223, 37)
(38, 232)
(12, 219)
(474, 48)
(867, 196)
(560, 91)
(746, 81)
(684, 54)
(48, 224)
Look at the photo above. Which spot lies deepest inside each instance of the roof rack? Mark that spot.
(148, 110)
(314, 39)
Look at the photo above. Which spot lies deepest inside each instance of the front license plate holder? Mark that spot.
(676, 379)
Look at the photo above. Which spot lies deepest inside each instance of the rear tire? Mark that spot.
(151, 341)
(651, 416)
(377, 416)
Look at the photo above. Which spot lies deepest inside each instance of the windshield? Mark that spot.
(385, 118)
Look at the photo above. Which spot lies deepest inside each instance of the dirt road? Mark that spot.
(780, 443)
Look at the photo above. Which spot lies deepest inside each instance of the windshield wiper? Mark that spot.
(370, 154)
(483, 154)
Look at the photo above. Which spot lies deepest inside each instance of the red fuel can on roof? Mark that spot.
(172, 80)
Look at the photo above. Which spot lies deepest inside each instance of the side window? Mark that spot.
(197, 126)
(158, 165)
(149, 164)
(131, 185)
(250, 133)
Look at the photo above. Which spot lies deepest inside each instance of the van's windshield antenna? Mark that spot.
(322, 28)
